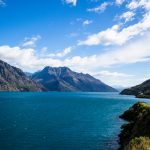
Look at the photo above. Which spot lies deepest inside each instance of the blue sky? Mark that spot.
(107, 38)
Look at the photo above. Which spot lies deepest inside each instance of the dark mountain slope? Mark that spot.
(13, 79)
(64, 79)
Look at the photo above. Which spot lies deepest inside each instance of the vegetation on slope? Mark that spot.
(140, 91)
(135, 135)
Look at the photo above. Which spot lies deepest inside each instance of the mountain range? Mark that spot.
(64, 79)
(49, 79)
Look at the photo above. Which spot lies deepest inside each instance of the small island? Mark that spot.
(135, 135)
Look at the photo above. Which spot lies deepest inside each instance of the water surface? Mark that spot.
(61, 121)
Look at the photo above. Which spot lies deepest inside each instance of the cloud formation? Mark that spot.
(65, 52)
(105, 73)
(127, 16)
(31, 42)
(135, 4)
(100, 8)
(116, 78)
(29, 60)
(119, 2)
(87, 22)
(117, 36)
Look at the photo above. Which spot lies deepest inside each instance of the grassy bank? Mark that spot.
(135, 135)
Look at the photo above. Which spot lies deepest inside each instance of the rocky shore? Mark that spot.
(135, 134)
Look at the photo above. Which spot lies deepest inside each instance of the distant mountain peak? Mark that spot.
(64, 79)
(55, 69)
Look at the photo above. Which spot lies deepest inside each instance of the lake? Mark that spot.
(61, 121)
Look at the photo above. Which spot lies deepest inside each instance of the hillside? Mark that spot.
(140, 91)
(13, 79)
(135, 134)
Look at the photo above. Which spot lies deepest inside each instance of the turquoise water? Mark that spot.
(61, 121)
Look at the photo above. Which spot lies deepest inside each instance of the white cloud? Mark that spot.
(116, 79)
(65, 52)
(104, 5)
(122, 82)
(25, 58)
(87, 22)
(106, 73)
(134, 4)
(73, 2)
(31, 41)
(120, 2)
(117, 36)
(106, 37)
(100, 8)
(127, 16)
(28, 59)
(134, 52)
